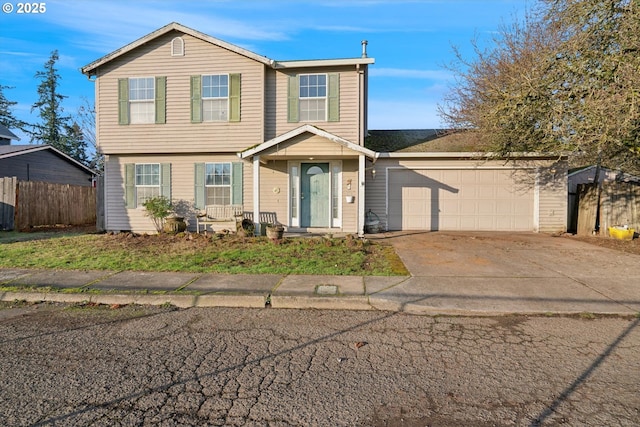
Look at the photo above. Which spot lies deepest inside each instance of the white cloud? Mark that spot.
(110, 25)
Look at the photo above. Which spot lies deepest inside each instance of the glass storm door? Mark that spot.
(315, 200)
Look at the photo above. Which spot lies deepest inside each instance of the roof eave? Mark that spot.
(322, 63)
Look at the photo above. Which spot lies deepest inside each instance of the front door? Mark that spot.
(315, 195)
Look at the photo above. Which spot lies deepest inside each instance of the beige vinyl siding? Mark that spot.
(276, 103)
(549, 208)
(350, 210)
(553, 198)
(274, 192)
(182, 188)
(308, 144)
(154, 59)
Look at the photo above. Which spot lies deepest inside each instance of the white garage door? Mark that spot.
(460, 199)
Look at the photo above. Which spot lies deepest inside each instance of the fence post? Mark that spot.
(8, 202)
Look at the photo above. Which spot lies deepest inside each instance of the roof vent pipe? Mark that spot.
(364, 48)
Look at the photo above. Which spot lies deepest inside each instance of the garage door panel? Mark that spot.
(458, 199)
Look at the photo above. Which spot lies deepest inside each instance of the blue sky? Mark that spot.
(411, 41)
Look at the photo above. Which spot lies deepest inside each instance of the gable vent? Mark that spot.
(177, 47)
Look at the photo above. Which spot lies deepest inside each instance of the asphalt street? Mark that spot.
(116, 365)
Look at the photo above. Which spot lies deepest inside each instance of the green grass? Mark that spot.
(204, 255)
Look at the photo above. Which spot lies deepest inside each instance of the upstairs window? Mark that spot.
(313, 97)
(142, 100)
(215, 98)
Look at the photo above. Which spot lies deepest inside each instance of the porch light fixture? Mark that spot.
(373, 173)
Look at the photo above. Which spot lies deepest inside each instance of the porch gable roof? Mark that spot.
(256, 150)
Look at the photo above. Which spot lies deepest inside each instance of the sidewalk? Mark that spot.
(453, 295)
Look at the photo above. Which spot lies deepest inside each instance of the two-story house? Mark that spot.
(204, 122)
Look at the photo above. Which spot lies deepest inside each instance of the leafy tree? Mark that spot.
(6, 114)
(86, 119)
(566, 79)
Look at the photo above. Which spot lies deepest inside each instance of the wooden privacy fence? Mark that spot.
(28, 204)
(619, 205)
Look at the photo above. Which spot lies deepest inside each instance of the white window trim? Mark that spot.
(151, 101)
(294, 221)
(229, 186)
(336, 222)
(203, 98)
(325, 97)
(135, 181)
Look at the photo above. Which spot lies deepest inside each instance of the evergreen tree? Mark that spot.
(6, 112)
(74, 143)
(54, 123)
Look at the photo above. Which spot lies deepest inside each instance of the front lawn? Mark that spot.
(197, 253)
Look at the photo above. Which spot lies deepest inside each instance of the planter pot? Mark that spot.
(174, 224)
(275, 231)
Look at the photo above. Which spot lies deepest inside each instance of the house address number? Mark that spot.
(23, 8)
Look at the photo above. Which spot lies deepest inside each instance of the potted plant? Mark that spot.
(275, 231)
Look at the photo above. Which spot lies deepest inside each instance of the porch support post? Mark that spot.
(256, 194)
(361, 178)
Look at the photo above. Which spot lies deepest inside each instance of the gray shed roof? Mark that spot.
(7, 151)
(6, 133)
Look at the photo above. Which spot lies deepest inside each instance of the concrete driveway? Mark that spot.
(496, 273)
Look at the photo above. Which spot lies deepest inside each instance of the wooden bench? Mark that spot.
(218, 215)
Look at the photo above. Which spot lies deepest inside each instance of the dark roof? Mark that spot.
(7, 134)
(422, 140)
(7, 151)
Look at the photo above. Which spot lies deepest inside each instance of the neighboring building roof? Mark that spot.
(7, 151)
(605, 173)
(7, 134)
(422, 140)
(90, 69)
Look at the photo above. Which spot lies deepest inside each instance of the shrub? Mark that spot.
(158, 208)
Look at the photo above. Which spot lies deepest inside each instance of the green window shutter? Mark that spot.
(236, 183)
(334, 98)
(196, 99)
(293, 100)
(130, 185)
(161, 100)
(123, 101)
(234, 97)
(165, 180)
(198, 180)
